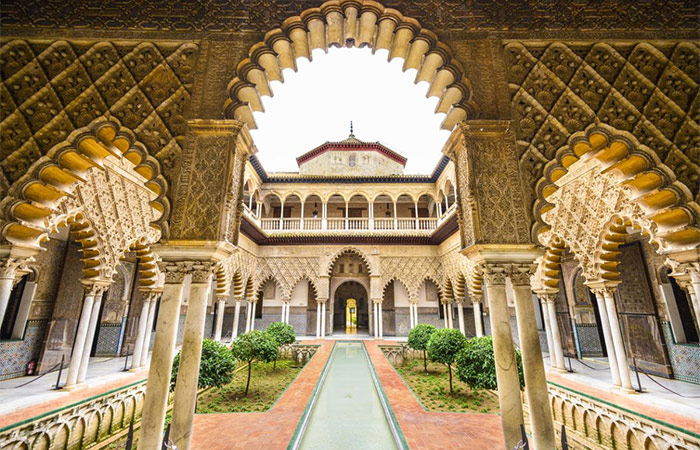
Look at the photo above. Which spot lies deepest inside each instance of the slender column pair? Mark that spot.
(143, 338)
(556, 355)
(8, 274)
(219, 325)
(478, 326)
(321, 318)
(82, 346)
(619, 366)
(413, 312)
(540, 412)
(460, 315)
(250, 315)
(236, 318)
(285, 311)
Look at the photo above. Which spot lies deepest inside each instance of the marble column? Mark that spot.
(252, 316)
(185, 396)
(548, 331)
(555, 350)
(286, 318)
(504, 354)
(248, 312)
(236, 318)
(158, 385)
(444, 314)
(318, 320)
(284, 312)
(141, 333)
(91, 291)
(460, 315)
(381, 320)
(451, 315)
(616, 334)
(376, 321)
(7, 278)
(607, 335)
(410, 315)
(218, 328)
(323, 318)
(540, 412)
(149, 329)
(478, 326)
(90, 338)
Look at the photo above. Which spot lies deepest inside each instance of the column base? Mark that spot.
(625, 390)
(75, 387)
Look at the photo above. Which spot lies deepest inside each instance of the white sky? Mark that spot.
(317, 103)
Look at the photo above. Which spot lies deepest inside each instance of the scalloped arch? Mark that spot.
(636, 190)
(56, 188)
(350, 23)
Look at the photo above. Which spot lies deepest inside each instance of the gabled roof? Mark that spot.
(351, 144)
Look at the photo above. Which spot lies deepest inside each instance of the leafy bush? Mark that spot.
(443, 347)
(283, 334)
(476, 365)
(254, 345)
(215, 369)
(418, 340)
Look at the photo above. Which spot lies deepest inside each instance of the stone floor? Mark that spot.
(18, 403)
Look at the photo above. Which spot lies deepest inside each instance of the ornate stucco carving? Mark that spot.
(49, 91)
(411, 272)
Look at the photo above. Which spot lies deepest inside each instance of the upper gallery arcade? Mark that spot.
(562, 215)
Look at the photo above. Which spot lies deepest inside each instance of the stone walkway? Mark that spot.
(268, 430)
(430, 429)
(39, 397)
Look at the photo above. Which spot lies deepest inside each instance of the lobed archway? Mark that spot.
(350, 23)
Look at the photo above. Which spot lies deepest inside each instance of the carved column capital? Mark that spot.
(202, 271)
(604, 290)
(9, 266)
(495, 274)
(520, 274)
(95, 288)
(150, 295)
(546, 296)
(174, 272)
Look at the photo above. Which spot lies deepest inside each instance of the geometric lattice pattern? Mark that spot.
(49, 90)
(650, 91)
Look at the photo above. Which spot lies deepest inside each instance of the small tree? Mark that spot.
(476, 365)
(418, 340)
(443, 347)
(215, 369)
(254, 345)
(283, 334)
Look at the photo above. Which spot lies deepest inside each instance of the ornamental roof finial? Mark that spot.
(351, 134)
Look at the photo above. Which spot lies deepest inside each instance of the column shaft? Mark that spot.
(149, 332)
(381, 321)
(556, 336)
(444, 313)
(236, 319)
(185, 396)
(141, 334)
(284, 312)
(540, 412)
(252, 316)
(318, 320)
(376, 321)
(548, 332)
(460, 314)
(607, 335)
(323, 320)
(155, 403)
(79, 343)
(478, 326)
(5, 292)
(220, 306)
(620, 355)
(90, 338)
(506, 367)
(410, 315)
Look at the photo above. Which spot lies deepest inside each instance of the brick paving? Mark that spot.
(430, 429)
(268, 430)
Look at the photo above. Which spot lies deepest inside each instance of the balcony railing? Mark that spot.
(348, 224)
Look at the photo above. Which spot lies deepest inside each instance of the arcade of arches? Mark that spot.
(563, 216)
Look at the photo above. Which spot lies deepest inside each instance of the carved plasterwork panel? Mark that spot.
(411, 271)
(262, 15)
(117, 209)
(49, 90)
(287, 272)
(648, 90)
(584, 206)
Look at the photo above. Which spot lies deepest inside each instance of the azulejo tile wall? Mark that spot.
(685, 358)
(589, 339)
(16, 354)
(108, 339)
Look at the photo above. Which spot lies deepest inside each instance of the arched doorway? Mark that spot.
(351, 308)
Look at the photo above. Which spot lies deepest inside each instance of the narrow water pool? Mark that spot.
(347, 412)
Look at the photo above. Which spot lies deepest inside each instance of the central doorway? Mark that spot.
(350, 311)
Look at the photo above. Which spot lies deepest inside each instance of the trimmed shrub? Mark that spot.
(476, 365)
(283, 334)
(418, 339)
(443, 347)
(215, 369)
(254, 345)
